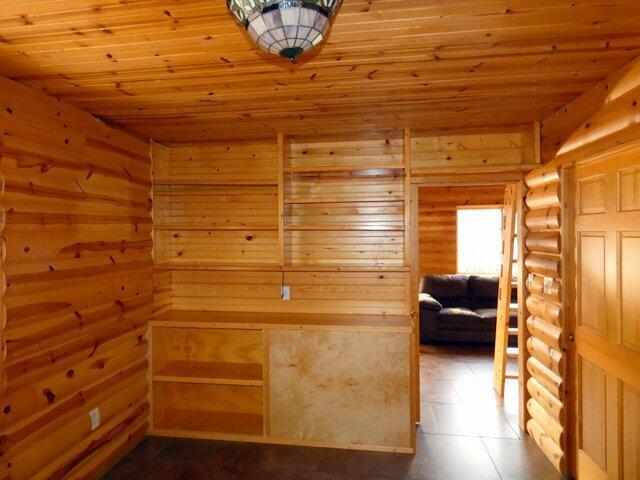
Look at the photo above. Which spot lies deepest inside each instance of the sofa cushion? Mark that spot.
(449, 290)
(483, 291)
(489, 316)
(427, 302)
(457, 318)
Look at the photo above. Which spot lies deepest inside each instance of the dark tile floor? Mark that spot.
(467, 433)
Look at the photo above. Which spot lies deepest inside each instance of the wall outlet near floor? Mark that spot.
(94, 415)
(285, 292)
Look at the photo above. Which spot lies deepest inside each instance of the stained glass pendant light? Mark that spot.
(285, 27)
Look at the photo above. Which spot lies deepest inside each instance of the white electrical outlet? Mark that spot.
(285, 292)
(94, 415)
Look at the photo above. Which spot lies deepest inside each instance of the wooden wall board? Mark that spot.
(350, 396)
(184, 71)
(78, 285)
(320, 292)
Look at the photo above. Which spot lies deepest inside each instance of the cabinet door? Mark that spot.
(340, 388)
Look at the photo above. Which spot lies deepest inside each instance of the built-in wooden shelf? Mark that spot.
(371, 169)
(216, 183)
(214, 373)
(484, 169)
(281, 268)
(232, 423)
(215, 227)
(302, 201)
(283, 321)
(253, 267)
(337, 227)
(345, 268)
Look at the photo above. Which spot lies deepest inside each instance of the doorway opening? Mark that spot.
(459, 264)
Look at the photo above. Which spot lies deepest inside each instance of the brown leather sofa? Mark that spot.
(460, 309)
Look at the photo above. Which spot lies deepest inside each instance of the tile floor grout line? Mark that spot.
(491, 458)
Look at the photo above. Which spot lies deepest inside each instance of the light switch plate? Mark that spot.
(94, 415)
(285, 292)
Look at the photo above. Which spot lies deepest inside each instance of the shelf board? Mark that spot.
(337, 227)
(280, 268)
(252, 267)
(302, 201)
(216, 183)
(188, 227)
(346, 268)
(214, 373)
(372, 169)
(216, 422)
(484, 169)
(283, 321)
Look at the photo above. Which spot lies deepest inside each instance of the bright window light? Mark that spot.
(479, 241)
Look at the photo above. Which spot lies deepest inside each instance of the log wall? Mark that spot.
(78, 288)
(545, 336)
(438, 207)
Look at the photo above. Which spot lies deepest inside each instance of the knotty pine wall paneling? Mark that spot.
(438, 222)
(325, 217)
(78, 288)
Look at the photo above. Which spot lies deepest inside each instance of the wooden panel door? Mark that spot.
(608, 317)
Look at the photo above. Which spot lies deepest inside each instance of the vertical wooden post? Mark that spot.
(3, 283)
(568, 259)
(406, 150)
(523, 313)
(410, 260)
(281, 159)
(265, 385)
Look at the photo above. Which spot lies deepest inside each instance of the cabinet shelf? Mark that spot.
(345, 227)
(216, 183)
(215, 227)
(231, 423)
(302, 201)
(363, 170)
(251, 267)
(213, 373)
(280, 268)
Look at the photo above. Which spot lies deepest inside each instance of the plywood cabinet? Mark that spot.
(340, 387)
(282, 378)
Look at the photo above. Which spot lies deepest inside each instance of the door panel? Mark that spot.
(594, 406)
(629, 287)
(608, 317)
(591, 281)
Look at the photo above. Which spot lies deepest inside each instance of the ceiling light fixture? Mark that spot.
(285, 27)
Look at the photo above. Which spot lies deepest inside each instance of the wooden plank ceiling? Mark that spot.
(182, 70)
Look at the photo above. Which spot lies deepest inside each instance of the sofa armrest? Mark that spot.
(427, 302)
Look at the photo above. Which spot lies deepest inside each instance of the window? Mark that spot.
(480, 240)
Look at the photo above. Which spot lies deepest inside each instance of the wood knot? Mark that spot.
(51, 397)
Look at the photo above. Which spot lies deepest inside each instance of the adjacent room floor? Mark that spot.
(466, 433)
